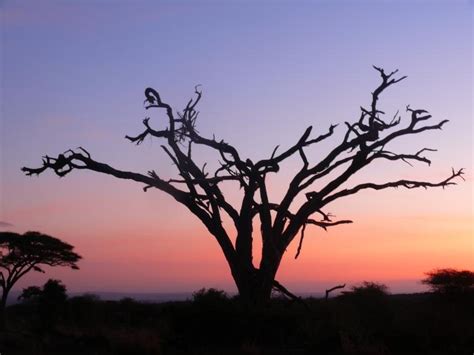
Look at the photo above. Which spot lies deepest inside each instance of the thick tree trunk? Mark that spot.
(255, 285)
(254, 289)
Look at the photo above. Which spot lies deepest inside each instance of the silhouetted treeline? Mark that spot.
(364, 320)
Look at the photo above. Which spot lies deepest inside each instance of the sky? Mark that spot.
(73, 74)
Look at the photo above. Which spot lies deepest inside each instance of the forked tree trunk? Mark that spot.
(255, 285)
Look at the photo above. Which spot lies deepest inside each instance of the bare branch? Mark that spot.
(80, 161)
(149, 131)
(328, 291)
(409, 184)
(302, 142)
(279, 287)
(404, 157)
(300, 245)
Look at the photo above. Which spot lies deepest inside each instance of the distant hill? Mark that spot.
(115, 296)
(156, 297)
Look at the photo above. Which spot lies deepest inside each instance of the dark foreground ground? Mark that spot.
(213, 324)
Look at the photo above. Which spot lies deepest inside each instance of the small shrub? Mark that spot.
(210, 296)
(363, 317)
(370, 289)
(30, 294)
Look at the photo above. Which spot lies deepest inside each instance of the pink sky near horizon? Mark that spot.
(77, 80)
(162, 248)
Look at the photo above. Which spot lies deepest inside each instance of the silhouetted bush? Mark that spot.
(210, 297)
(54, 291)
(30, 294)
(365, 320)
(370, 289)
(450, 281)
(51, 303)
(47, 303)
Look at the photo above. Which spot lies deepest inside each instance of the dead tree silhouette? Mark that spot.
(364, 142)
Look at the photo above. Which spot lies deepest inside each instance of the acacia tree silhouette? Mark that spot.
(22, 253)
(201, 192)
